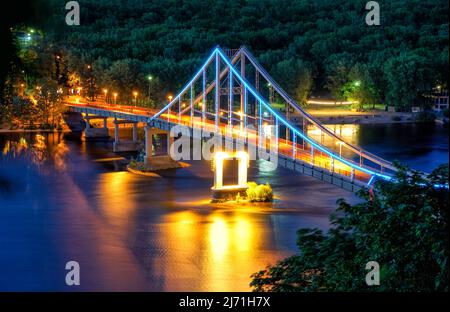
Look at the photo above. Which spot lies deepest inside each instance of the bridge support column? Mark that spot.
(116, 132)
(124, 145)
(135, 132)
(148, 143)
(105, 123)
(88, 125)
(95, 134)
(158, 162)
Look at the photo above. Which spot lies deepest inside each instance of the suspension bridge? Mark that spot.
(231, 90)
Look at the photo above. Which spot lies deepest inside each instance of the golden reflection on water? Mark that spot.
(218, 238)
(213, 251)
(115, 198)
(38, 148)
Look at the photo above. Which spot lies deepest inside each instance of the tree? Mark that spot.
(360, 87)
(408, 77)
(49, 104)
(297, 76)
(403, 225)
(337, 69)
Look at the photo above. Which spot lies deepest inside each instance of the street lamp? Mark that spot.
(170, 98)
(106, 92)
(149, 78)
(135, 94)
(115, 97)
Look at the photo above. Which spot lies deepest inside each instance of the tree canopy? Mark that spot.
(308, 45)
(402, 225)
(319, 47)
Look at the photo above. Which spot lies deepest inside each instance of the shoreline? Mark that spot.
(32, 130)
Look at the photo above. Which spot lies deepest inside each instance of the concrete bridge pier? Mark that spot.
(125, 145)
(158, 159)
(91, 133)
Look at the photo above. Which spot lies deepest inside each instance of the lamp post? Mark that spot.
(115, 97)
(106, 92)
(135, 94)
(149, 88)
(170, 97)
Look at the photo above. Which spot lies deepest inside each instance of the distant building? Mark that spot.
(440, 101)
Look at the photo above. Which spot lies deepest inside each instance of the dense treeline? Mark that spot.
(319, 47)
(325, 41)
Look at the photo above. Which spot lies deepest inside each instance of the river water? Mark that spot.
(63, 199)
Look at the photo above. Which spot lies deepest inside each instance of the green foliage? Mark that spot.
(297, 41)
(404, 227)
(426, 116)
(259, 193)
(297, 77)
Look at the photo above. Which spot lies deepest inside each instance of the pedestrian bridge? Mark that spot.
(231, 90)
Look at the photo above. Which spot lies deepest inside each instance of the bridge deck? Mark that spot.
(285, 148)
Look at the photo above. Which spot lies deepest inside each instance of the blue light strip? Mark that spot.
(267, 106)
(186, 86)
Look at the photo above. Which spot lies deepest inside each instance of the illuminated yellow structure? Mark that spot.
(224, 192)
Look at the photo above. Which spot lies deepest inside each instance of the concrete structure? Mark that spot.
(156, 159)
(91, 133)
(125, 145)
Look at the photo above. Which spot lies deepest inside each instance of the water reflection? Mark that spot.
(157, 233)
(36, 148)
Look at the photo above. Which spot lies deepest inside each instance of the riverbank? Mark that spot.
(33, 130)
(391, 118)
(343, 114)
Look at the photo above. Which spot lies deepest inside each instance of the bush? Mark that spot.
(425, 116)
(259, 193)
(445, 112)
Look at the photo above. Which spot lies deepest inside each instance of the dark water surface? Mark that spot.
(63, 200)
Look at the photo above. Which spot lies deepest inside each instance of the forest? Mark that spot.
(321, 48)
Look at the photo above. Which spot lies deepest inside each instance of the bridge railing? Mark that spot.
(384, 164)
(274, 116)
